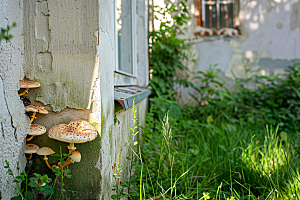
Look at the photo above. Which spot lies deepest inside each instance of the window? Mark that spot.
(125, 40)
(217, 14)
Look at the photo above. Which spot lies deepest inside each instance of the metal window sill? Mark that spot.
(124, 95)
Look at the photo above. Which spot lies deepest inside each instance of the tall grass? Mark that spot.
(217, 160)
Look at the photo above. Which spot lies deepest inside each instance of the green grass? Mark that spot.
(222, 159)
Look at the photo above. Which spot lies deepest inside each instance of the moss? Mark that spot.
(118, 107)
(86, 177)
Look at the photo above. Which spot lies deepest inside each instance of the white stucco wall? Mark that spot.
(69, 47)
(270, 40)
(14, 124)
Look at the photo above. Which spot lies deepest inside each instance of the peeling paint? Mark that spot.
(61, 50)
(270, 30)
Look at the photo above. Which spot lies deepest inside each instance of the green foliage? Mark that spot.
(273, 99)
(166, 51)
(4, 32)
(39, 183)
(61, 172)
(120, 185)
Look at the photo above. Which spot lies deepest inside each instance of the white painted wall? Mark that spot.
(62, 49)
(270, 39)
(14, 124)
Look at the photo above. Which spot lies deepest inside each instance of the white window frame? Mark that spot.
(121, 77)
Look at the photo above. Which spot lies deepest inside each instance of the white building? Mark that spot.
(79, 51)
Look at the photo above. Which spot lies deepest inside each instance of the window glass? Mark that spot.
(226, 15)
(217, 14)
(124, 35)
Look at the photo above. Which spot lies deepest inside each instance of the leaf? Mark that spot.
(209, 119)
(32, 184)
(38, 175)
(56, 156)
(68, 175)
(54, 169)
(21, 178)
(47, 189)
(16, 198)
(113, 196)
(28, 195)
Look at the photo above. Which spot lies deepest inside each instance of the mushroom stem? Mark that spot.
(68, 162)
(32, 117)
(71, 148)
(46, 160)
(30, 138)
(25, 91)
(29, 157)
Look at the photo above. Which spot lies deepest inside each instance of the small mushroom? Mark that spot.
(45, 151)
(35, 109)
(30, 149)
(36, 129)
(75, 157)
(27, 85)
(77, 131)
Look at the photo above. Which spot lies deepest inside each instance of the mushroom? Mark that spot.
(30, 149)
(35, 109)
(75, 157)
(77, 131)
(36, 129)
(28, 84)
(45, 151)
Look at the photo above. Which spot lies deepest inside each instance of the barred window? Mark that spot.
(217, 14)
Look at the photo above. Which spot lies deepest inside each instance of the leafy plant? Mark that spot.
(118, 169)
(4, 32)
(211, 85)
(167, 53)
(61, 172)
(37, 182)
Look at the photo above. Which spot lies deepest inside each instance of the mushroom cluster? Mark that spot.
(76, 131)
(35, 129)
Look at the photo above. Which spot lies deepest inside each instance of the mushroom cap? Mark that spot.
(31, 148)
(76, 156)
(45, 151)
(29, 84)
(36, 129)
(32, 108)
(77, 131)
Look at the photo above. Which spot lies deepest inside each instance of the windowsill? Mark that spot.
(125, 95)
(216, 33)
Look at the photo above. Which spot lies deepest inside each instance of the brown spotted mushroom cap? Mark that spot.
(39, 109)
(31, 148)
(45, 151)
(29, 84)
(77, 131)
(36, 129)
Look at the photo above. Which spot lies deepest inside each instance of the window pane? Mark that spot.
(210, 14)
(226, 15)
(124, 29)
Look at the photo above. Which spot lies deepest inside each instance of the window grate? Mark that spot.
(217, 14)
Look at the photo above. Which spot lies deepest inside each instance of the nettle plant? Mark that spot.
(167, 52)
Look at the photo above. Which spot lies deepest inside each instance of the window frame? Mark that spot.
(200, 17)
(122, 77)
